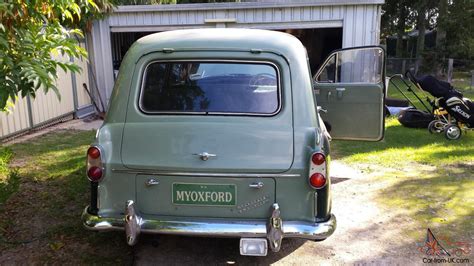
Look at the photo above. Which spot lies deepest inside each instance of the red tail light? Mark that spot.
(318, 170)
(318, 158)
(317, 180)
(93, 152)
(94, 173)
(94, 164)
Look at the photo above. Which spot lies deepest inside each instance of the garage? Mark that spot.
(321, 25)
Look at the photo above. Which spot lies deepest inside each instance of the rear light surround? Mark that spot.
(95, 168)
(317, 170)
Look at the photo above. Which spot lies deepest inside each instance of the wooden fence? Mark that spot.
(29, 114)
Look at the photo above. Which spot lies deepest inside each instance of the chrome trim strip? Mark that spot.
(151, 172)
(215, 227)
(263, 62)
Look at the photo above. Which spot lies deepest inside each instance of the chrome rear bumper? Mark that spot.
(134, 225)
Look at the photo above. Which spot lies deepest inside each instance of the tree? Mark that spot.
(455, 36)
(421, 9)
(33, 33)
(442, 17)
(397, 18)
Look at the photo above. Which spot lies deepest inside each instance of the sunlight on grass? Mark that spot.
(5, 156)
(436, 198)
(405, 145)
(50, 158)
(430, 179)
(9, 180)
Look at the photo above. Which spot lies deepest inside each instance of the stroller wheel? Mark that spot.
(436, 126)
(452, 132)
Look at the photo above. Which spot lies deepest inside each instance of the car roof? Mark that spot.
(220, 39)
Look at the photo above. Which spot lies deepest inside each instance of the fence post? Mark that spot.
(472, 78)
(450, 69)
(74, 89)
(417, 65)
(30, 111)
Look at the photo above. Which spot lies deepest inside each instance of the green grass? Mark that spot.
(51, 169)
(9, 180)
(429, 178)
(393, 92)
(403, 145)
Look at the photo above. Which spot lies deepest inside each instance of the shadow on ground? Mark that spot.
(166, 250)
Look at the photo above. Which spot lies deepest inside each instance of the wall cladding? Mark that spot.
(360, 20)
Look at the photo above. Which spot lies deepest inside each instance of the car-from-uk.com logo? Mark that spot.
(443, 249)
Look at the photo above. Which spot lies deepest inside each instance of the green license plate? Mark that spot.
(204, 194)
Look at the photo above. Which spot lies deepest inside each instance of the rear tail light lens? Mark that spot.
(318, 170)
(317, 180)
(94, 173)
(94, 164)
(93, 152)
(318, 158)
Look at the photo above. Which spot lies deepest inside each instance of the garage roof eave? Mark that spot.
(241, 5)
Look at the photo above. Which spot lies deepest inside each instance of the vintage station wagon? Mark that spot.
(217, 132)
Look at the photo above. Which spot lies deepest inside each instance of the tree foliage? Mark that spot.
(35, 37)
(458, 24)
(452, 19)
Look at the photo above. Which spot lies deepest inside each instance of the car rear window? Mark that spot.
(210, 88)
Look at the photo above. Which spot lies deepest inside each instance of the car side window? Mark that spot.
(353, 66)
(328, 74)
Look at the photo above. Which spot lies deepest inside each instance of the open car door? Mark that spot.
(350, 91)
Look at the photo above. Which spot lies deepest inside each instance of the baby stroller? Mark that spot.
(453, 113)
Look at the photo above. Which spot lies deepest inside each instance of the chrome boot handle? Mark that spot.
(205, 156)
(257, 185)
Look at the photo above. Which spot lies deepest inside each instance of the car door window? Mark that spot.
(353, 66)
(350, 89)
(328, 73)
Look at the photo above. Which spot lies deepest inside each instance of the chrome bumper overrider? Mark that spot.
(275, 229)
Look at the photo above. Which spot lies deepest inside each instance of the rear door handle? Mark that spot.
(320, 109)
(340, 92)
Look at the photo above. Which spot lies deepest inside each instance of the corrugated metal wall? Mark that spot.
(359, 19)
(83, 99)
(29, 113)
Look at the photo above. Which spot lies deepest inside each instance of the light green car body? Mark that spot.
(273, 150)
